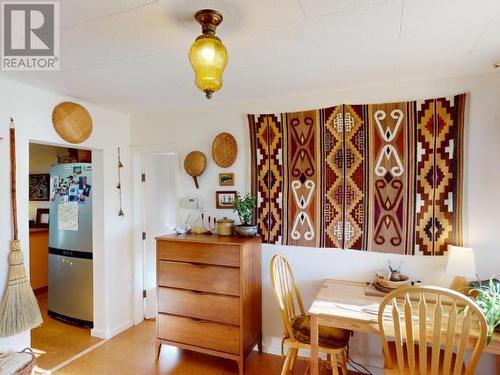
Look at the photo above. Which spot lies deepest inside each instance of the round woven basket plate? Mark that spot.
(72, 122)
(224, 150)
(195, 163)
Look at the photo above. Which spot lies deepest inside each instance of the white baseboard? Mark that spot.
(112, 332)
(98, 333)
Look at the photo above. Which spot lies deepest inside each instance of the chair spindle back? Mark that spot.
(439, 317)
(285, 291)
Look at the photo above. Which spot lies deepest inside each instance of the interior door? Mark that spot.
(160, 212)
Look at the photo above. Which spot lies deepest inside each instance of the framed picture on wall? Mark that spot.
(42, 218)
(39, 187)
(225, 199)
(226, 179)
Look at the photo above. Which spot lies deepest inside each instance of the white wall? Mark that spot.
(31, 109)
(196, 129)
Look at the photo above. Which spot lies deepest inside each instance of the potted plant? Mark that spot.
(488, 300)
(244, 206)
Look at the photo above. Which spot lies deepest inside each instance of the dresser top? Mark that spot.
(203, 238)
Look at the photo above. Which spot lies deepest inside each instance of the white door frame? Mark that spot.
(137, 153)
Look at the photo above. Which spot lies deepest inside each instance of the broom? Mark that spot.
(19, 309)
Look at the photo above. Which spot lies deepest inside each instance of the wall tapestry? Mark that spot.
(377, 177)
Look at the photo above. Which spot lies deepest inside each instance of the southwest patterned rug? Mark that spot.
(377, 177)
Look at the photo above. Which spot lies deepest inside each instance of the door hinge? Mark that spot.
(144, 294)
(143, 177)
(143, 235)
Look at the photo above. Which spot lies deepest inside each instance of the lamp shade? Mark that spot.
(461, 262)
(208, 57)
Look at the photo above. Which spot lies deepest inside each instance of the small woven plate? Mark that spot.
(72, 122)
(224, 150)
(194, 164)
(382, 288)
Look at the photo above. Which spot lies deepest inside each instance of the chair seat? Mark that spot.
(395, 370)
(328, 336)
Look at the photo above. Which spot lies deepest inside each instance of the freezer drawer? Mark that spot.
(70, 287)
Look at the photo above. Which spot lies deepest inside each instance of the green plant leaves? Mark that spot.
(244, 206)
(488, 300)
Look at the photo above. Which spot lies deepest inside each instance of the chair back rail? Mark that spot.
(437, 316)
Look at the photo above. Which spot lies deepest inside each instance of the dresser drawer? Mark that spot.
(201, 333)
(200, 277)
(223, 255)
(214, 307)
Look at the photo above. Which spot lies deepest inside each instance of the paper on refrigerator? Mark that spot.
(67, 216)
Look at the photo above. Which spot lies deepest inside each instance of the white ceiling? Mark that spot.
(131, 55)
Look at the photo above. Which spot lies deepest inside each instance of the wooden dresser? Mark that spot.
(209, 294)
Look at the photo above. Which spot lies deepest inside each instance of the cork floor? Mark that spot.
(55, 342)
(133, 353)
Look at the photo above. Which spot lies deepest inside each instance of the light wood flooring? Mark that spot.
(133, 352)
(55, 342)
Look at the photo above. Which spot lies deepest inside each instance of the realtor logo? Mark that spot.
(30, 35)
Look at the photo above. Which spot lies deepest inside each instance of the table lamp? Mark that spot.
(461, 265)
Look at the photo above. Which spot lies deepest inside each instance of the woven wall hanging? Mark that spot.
(377, 177)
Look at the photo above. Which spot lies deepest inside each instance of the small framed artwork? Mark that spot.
(226, 179)
(225, 199)
(42, 218)
(39, 187)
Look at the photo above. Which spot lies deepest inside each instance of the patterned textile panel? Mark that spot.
(354, 177)
(267, 174)
(302, 178)
(332, 183)
(377, 177)
(440, 125)
(391, 177)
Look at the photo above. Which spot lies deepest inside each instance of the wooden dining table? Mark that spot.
(345, 304)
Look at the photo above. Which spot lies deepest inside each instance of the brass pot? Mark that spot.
(225, 227)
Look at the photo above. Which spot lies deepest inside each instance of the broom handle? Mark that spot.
(13, 177)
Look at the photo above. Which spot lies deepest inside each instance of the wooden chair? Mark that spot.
(332, 341)
(414, 317)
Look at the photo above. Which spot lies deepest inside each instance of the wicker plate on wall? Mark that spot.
(194, 164)
(224, 150)
(72, 122)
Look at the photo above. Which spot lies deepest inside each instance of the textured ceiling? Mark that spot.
(131, 55)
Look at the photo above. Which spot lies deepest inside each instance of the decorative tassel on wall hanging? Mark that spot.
(119, 186)
(19, 309)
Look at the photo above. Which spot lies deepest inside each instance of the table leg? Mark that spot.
(498, 364)
(314, 345)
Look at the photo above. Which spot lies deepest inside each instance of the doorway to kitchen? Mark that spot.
(155, 208)
(61, 256)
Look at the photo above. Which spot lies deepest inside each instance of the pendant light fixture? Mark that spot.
(207, 55)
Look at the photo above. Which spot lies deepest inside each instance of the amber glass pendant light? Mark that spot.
(207, 55)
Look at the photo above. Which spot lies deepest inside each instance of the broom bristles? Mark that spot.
(19, 309)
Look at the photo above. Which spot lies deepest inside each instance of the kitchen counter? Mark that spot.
(39, 230)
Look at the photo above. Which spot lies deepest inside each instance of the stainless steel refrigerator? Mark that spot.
(70, 244)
